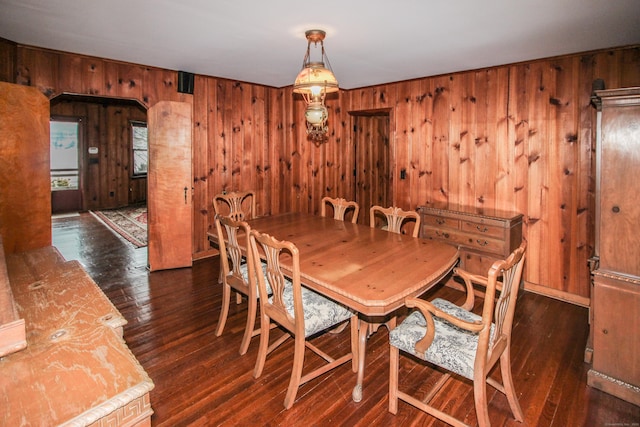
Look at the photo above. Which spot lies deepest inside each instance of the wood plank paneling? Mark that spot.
(203, 217)
(505, 181)
(440, 147)
(404, 139)
(129, 82)
(92, 76)
(456, 120)
(159, 85)
(8, 53)
(71, 74)
(422, 134)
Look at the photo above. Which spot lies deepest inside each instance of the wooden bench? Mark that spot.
(76, 368)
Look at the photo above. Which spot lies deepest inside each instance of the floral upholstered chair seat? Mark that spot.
(320, 313)
(453, 348)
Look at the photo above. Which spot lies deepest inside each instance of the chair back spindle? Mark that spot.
(239, 205)
(340, 207)
(394, 219)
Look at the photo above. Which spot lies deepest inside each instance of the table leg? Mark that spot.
(362, 344)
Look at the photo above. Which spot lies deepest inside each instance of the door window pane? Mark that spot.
(140, 148)
(64, 155)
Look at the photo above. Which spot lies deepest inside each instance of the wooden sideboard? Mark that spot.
(615, 298)
(76, 369)
(482, 235)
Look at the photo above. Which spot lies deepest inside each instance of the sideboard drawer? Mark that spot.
(458, 238)
(450, 236)
(440, 221)
(494, 246)
(483, 229)
(482, 235)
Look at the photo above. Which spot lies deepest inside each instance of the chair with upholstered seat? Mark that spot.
(393, 219)
(340, 208)
(461, 342)
(237, 274)
(240, 205)
(302, 313)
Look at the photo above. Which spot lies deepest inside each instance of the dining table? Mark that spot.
(370, 270)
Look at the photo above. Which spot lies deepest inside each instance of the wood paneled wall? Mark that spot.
(515, 137)
(8, 52)
(518, 137)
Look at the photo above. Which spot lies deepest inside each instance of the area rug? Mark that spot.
(130, 222)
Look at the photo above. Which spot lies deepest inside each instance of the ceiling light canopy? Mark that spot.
(313, 82)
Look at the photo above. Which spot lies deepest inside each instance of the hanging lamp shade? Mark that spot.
(315, 78)
(313, 82)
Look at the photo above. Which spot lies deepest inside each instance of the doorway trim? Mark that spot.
(387, 155)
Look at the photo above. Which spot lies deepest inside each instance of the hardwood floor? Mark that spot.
(201, 380)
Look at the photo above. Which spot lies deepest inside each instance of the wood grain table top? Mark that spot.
(367, 269)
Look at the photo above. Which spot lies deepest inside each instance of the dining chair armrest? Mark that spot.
(469, 280)
(429, 310)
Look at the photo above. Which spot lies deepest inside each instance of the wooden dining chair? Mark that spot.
(302, 313)
(462, 342)
(340, 208)
(393, 219)
(237, 275)
(240, 205)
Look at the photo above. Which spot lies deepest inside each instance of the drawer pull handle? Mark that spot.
(483, 229)
(482, 243)
(440, 234)
(440, 221)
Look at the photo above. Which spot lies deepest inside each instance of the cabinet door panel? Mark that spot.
(619, 192)
(616, 328)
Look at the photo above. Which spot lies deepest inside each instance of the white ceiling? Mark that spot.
(368, 42)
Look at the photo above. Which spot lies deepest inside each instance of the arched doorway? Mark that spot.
(105, 161)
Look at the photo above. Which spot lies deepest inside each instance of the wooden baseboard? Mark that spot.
(560, 295)
(206, 254)
(530, 287)
(613, 386)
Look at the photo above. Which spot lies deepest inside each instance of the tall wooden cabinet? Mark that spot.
(615, 300)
